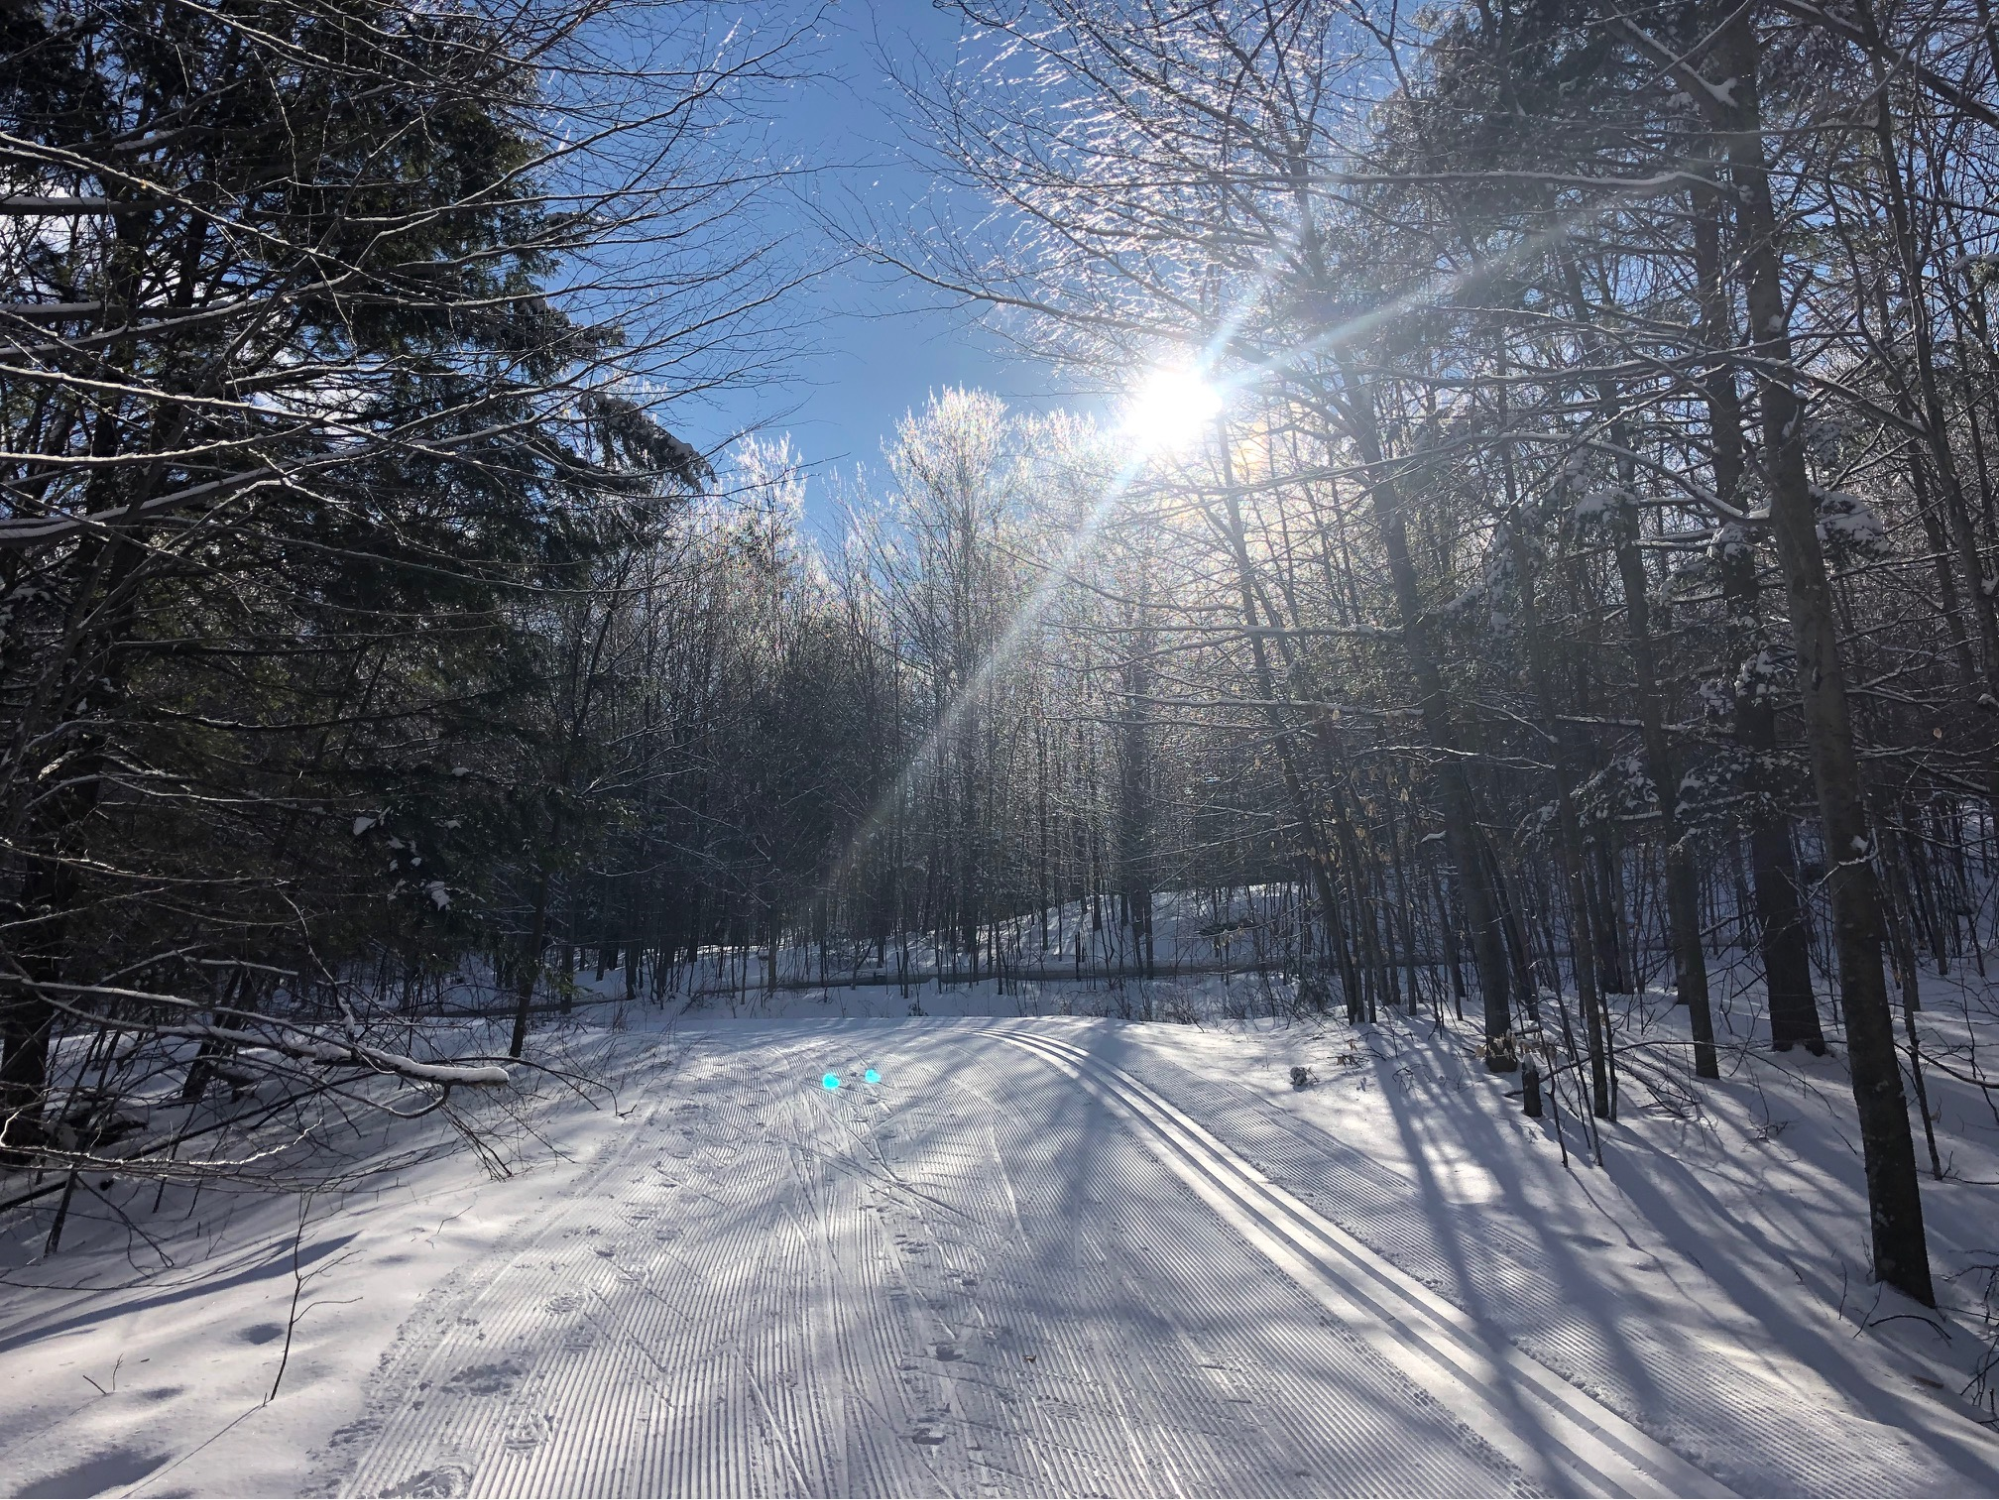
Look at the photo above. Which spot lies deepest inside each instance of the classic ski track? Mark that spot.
(1581, 1445)
(1795, 1426)
(1324, 1397)
(794, 1339)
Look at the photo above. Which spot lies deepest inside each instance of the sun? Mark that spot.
(1170, 409)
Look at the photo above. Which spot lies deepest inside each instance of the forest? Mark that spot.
(1539, 541)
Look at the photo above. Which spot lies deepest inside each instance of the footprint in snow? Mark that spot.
(433, 1484)
(484, 1380)
(525, 1431)
(355, 1432)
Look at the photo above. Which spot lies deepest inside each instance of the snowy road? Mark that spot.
(1014, 1265)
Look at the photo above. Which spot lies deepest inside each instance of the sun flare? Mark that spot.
(1170, 409)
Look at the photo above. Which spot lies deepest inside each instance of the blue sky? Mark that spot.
(881, 342)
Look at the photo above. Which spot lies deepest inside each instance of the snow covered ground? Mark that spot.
(1044, 1255)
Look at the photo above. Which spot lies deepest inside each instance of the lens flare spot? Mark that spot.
(1169, 409)
(831, 1080)
(872, 1076)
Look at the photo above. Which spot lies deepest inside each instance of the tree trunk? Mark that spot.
(531, 964)
(1682, 892)
(1901, 1253)
(1312, 844)
(1780, 918)
(1583, 961)
(1461, 825)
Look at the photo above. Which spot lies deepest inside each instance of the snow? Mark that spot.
(1761, 676)
(1059, 1253)
(1603, 505)
(1849, 529)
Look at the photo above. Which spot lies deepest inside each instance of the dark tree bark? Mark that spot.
(1901, 1254)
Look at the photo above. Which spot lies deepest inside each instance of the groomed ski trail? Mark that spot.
(1012, 1267)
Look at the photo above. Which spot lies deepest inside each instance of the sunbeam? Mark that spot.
(1031, 610)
